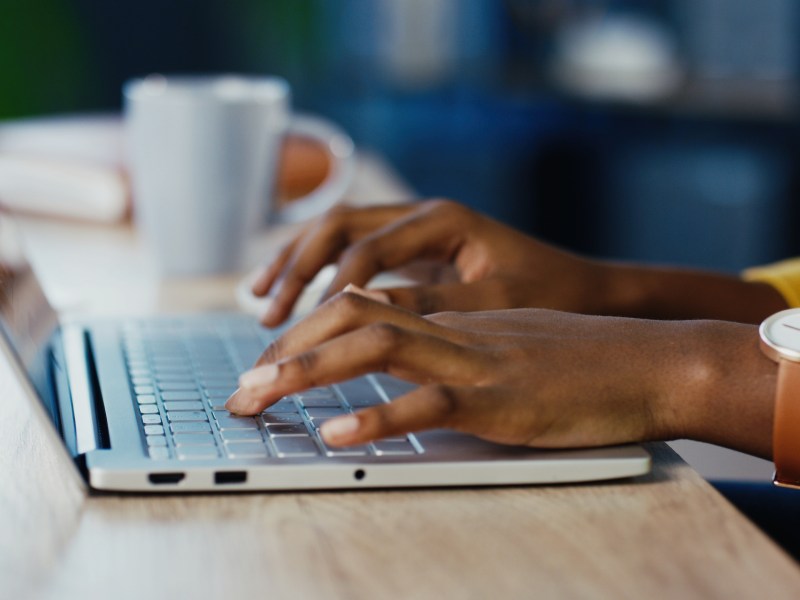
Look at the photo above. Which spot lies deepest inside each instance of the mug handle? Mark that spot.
(341, 149)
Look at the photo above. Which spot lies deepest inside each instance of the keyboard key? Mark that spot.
(219, 392)
(194, 439)
(325, 413)
(389, 448)
(398, 438)
(241, 435)
(164, 372)
(236, 423)
(221, 384)
(187, 415)
(184, 395)
(139, 372)
(269, 417)
(347, 451)
(154, 429)
(156, 440)
(143, 389)
(178, 378)
(164, 362)
(245, 450)
(141, 380)
(177, 386)
(151, 419)
(319, 401)
(190, 427)
(227, 373)
(146, 399)
(284, 405)
(183, 405)
(360, 392)
(217, 403)
(291, 445)
(148, 409)
(196, 452)
(158, 452)
(275, 429)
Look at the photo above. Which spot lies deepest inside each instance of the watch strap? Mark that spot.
(786, 431)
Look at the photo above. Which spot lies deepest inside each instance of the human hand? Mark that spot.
(496, 266)
(532, 377)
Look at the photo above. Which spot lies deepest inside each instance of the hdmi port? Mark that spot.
(166, 478)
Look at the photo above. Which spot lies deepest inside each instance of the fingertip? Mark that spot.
(277, 311)
(262, 284)
(258, 287)
(236, 403)
(270, 316)
(340, 431)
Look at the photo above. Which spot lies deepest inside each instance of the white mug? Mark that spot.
(203, 155)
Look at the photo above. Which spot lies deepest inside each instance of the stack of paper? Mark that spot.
(69, 168)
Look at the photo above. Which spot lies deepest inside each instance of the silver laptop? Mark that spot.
(139, 405)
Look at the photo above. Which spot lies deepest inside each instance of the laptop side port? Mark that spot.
(166, 478)
(224, 477)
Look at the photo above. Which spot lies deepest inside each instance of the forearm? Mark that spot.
(664, 293)
(720, 388)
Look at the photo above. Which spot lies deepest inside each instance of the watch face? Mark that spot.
(781, 334)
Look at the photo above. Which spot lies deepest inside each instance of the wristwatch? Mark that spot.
(780, 341)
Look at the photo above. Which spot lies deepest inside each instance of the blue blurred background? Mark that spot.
(661, 130)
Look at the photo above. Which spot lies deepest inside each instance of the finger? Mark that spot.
(342, 314)
(461, 297)
(374, 294)
(427, 407)
(267, 278)
(383, 347)
(430, 232)
(322, 245)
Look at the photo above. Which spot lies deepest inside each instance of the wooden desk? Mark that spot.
(667, 535)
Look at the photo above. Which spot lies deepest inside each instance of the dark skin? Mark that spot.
(495, 267)
(491, 364)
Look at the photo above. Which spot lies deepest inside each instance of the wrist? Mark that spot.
(664, 293)
(719, 388)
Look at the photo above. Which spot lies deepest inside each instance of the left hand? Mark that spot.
(534, 377)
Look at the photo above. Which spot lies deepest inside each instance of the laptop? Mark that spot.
(139, 406)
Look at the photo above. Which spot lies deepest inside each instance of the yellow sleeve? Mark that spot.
(784, 276)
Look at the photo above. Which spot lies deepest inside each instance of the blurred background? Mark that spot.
(660, 130)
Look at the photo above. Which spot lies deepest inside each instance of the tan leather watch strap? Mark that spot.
(786, 431)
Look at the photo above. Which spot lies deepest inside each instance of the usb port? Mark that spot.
(223, 477)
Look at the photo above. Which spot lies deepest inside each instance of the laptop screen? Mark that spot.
(27, 321)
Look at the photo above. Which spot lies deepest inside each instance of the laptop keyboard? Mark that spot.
(182, 373)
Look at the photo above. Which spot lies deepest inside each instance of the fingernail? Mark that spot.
(232, 404)
(340, 428)
(376, 295)
(258, 377)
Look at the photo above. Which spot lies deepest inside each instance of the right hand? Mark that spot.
(497, 267)
(546, 379)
